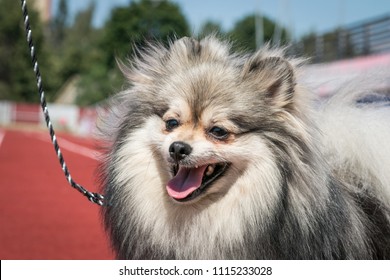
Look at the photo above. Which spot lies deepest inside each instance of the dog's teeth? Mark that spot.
(196, 166)
(210, 170)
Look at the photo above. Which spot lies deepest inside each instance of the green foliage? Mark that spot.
(210, 28)
(76, 49)
(58, 25)
(141, 21)
(79, 45)
(244, 33)
(308, 44)
(98, 84)
(17, 80)
(128, 27)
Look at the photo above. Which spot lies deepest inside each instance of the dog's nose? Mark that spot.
(179, 150)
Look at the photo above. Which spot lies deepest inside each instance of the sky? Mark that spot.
(301, 16)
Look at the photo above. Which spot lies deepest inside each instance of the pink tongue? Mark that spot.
(185, 182)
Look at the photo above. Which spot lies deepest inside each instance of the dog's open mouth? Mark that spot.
(189, 182)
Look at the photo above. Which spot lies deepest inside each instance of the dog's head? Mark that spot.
(207, 116)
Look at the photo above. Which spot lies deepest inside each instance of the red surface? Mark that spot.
(26, 113)
(41, 216)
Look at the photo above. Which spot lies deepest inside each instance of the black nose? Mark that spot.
(179, 150)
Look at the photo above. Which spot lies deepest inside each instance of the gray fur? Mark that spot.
(281, 198)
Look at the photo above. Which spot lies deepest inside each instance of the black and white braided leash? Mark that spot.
(93, 197)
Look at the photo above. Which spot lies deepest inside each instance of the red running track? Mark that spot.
(41, 216)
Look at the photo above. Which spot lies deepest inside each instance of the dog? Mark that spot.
(213, 154)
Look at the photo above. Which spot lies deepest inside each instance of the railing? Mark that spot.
(365, 38)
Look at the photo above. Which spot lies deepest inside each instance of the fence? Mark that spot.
(71, 118)
(365, 38)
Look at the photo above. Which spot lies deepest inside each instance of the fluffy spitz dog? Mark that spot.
(215, 155)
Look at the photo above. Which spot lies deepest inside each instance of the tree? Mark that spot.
(17, 80)
(76, 47)
(80, 45)
(142, 21)
(58, 25)
(244, 33)
(210, 27)
(131, 26)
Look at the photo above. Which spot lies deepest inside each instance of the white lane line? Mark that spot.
(2, 135)
(76, 148)
(70, 146)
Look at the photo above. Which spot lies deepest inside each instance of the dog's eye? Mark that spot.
(171, 124)
(219, 132)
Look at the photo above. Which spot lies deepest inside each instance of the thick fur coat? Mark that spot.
(216, 155)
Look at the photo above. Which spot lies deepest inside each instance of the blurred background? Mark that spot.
(77, 45)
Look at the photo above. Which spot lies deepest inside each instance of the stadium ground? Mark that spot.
(41, 216)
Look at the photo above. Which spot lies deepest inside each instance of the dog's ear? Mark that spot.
(273, 77)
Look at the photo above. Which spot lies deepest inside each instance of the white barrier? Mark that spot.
(5, 112)
(69, 118)
(63, 117)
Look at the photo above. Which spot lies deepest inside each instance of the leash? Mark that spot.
(93, 197)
